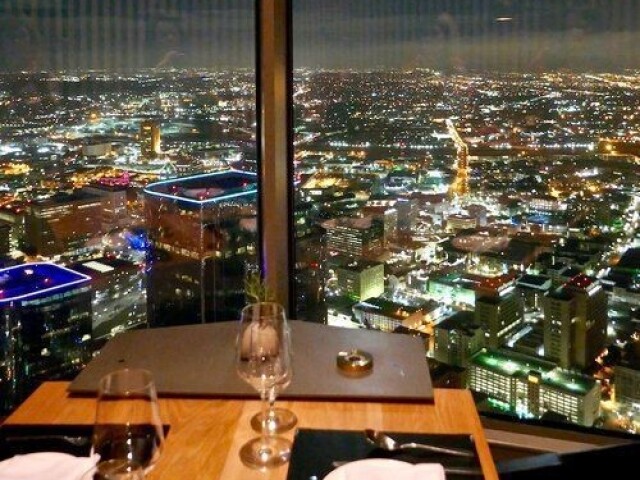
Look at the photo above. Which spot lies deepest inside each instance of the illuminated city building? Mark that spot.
(458, 338)
(62, 223)
(149, 139)
(532, 289)
(354, 237)
(387, 315)
(575, 322)
(360, 279)
(561, 273)
(545, 205)
(499, 309)
(388, 217)
(45, 331)
(118, 289)
(5, 238)
(14, 217)
(627, 384)
(114, 204)
(533, 387)
(407, 215)
(454, 288)
(457, 222)
(203, 235)
(97, 150)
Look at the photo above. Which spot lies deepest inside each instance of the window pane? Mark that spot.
(467, 171)
(128, 156)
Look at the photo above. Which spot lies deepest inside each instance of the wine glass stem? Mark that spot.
(266, 404)
(268, 417)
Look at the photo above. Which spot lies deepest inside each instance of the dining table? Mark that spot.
(205, 434)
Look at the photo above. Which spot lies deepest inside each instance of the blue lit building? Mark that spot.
(203, 234)
(45, 326)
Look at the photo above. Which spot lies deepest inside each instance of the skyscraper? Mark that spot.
(45, 325)
(203, 232)
(575, 322)
(499, 309)
(355, 237)
(149, 139)
(63, 223)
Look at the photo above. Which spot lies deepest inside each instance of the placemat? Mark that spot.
(18, 439)
(199, 360)
(22, 439)
(314, 451)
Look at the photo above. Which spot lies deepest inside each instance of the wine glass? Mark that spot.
(277, 420)
(128, 425)
(263, 361)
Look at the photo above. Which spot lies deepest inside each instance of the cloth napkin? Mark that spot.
(46, 466)
(384, 469)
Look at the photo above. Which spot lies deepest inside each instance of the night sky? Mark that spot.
(448, 35)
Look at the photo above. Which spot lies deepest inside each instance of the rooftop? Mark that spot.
(630, 260)
(393, 309)
(356, 223)
(359, 265)
(516, 365)
(34, 280)
(63, 198)
(207, 188)
(536, 281)
(582, 282)
(463, 321)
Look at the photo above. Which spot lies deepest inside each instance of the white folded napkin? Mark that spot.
(46, 466)
(384, 469)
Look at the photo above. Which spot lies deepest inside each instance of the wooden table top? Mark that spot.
(206, 434)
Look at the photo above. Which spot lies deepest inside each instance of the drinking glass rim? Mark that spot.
(254, 304)
(145, 374)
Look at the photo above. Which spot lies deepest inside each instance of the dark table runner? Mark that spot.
(315, 450)
(22, 439)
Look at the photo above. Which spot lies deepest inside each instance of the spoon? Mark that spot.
(384, 441)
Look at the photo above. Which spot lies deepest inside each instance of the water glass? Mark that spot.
(128, 425)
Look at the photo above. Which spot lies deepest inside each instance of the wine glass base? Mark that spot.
(277, 420)
(265, 452)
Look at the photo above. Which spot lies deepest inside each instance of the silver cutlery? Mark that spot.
(385, 442)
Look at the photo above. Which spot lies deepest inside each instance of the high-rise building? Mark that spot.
(45, 325)
(388, 216)
(62, 223)
(5, 238)
(118, 290)
(457, 338)
(149, 139)
(360, 279)
(499, 309)
(575, 322)
(627, 381)
(203, 233)
(354, 237)
(114, 204)
(532, 289)
(530, 386)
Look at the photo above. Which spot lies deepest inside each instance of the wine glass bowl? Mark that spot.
(127, 424)
(263, 360)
